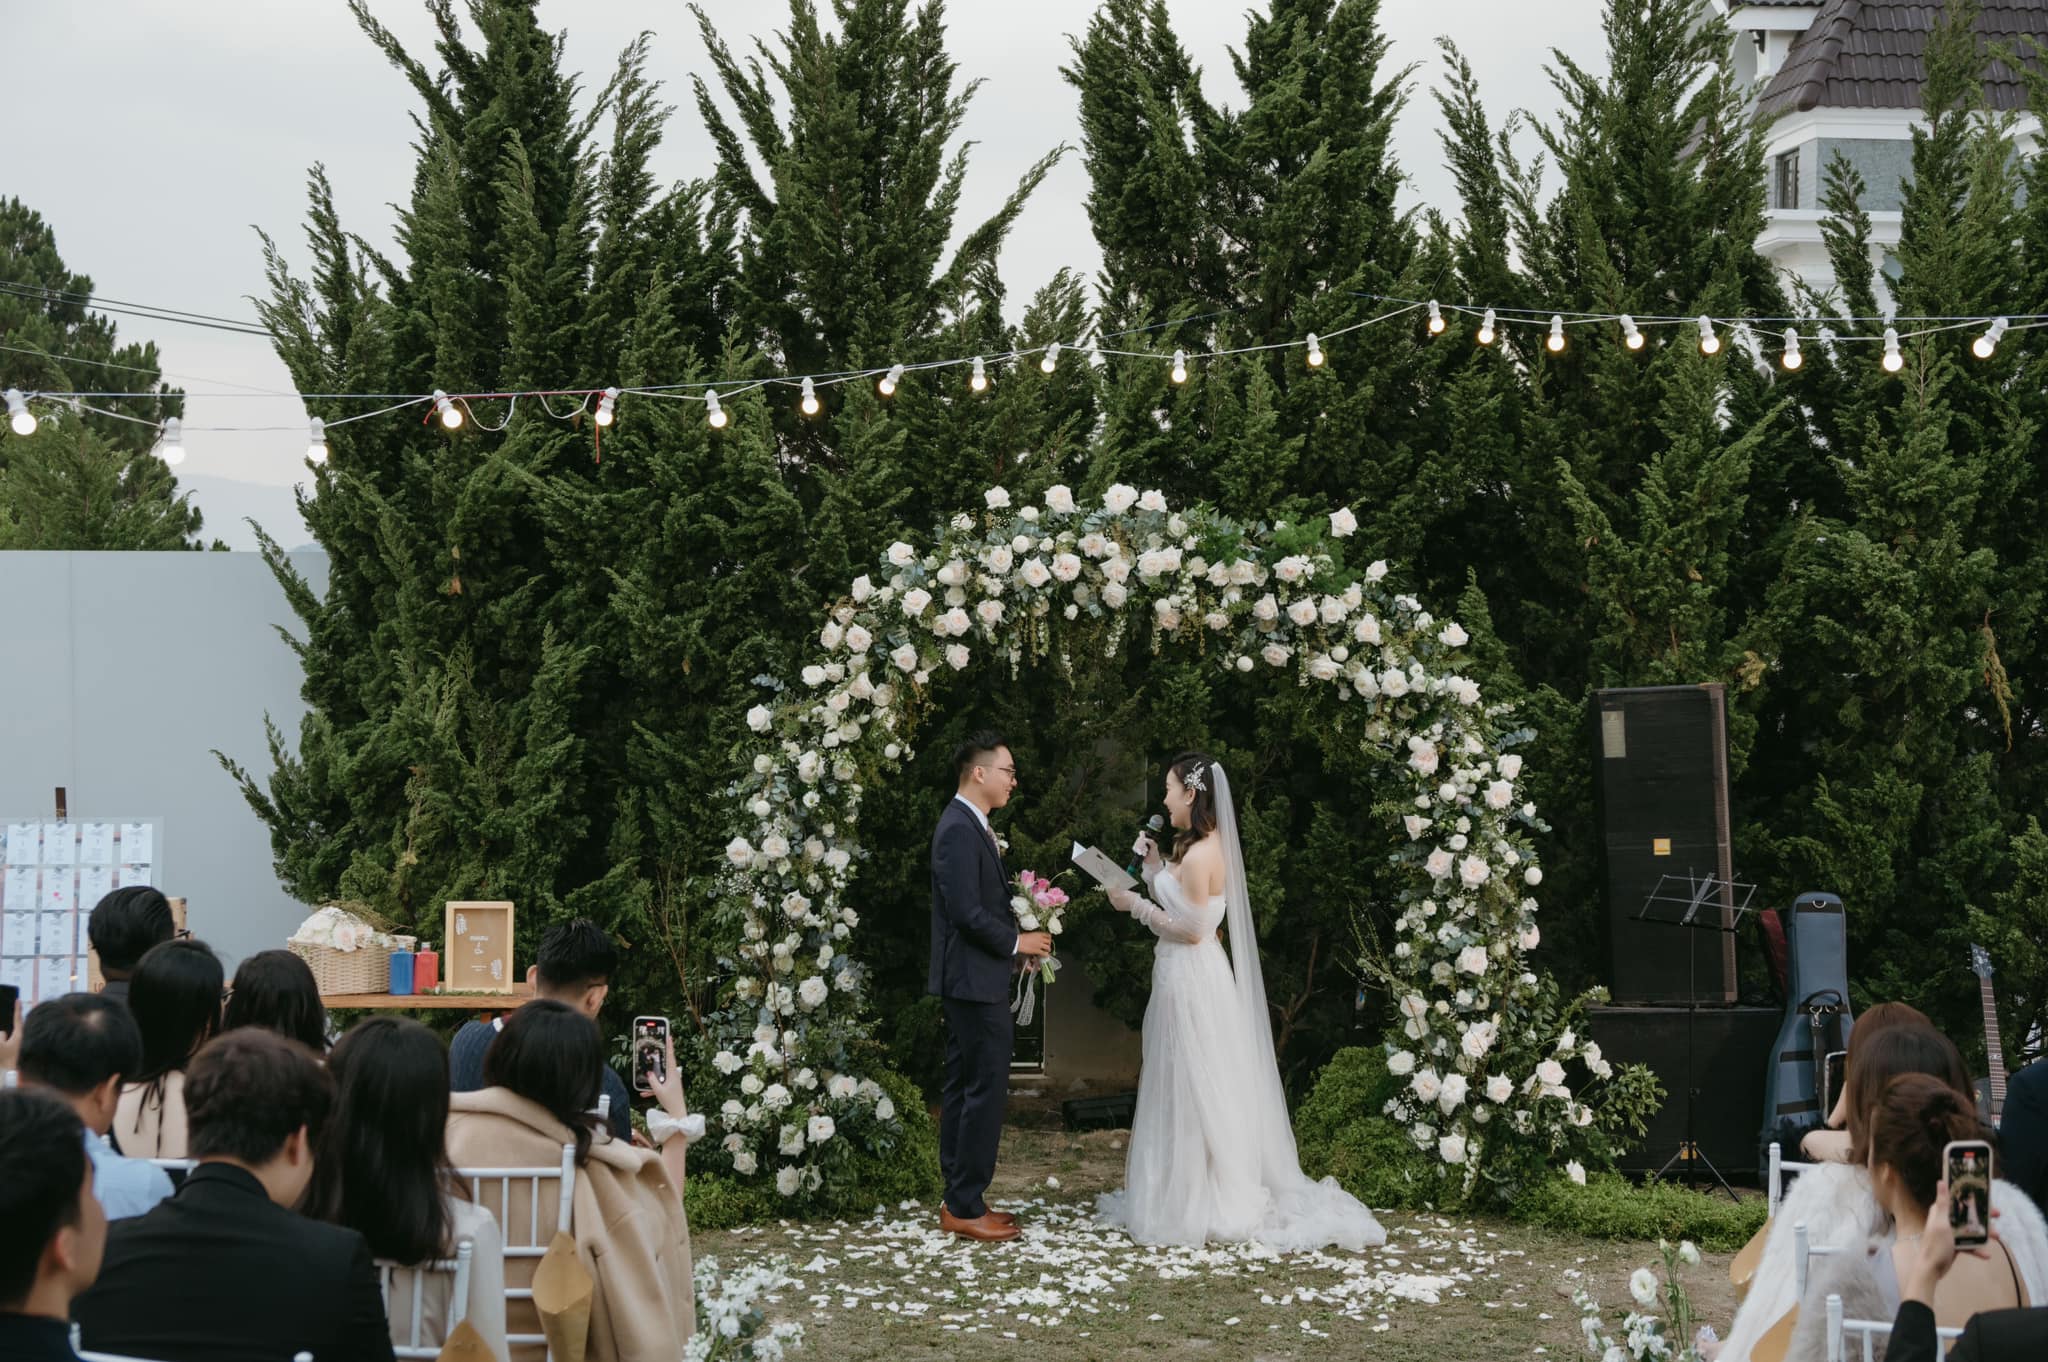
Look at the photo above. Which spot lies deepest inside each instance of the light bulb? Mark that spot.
(887, 387)
(606, 407)
(1986, 344)
(1486, 328)
(18, 415)
(1050, 360)
(1710, 344)
(316, 443)
(1315, 351)
(1436, 319)
(1893, 360)
(1790, 359)
(451, 415)
(715, 414)
(979, 380)
(1556, 341)
(810, 399)
(1180, 366)
(170, 446)
(1631, 336)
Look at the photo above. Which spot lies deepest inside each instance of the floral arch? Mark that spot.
(1478, 1042)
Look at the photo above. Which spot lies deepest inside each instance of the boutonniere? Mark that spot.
(1002, 843)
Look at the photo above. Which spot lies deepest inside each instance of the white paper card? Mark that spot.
(133, 874)
(60, 843)
(56, 937)
(53, 977)
(20, 889)
(21, 843)
(96, 844)
(138, 844)
(1106, 872)
(60, 892)
(80, 921)
(95, 882)
(17, 934)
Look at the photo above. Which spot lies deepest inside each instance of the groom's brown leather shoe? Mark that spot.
(987, 1229)
(1002, 1217)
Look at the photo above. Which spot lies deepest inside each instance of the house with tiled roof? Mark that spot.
(1844, 76)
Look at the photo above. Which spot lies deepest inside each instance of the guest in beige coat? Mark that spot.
(542, 1083)
(175, 1000)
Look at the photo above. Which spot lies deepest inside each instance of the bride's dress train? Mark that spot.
(1212, 1156)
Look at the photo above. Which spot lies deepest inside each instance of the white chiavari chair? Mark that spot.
(417, 1347)
(493, 1189)
(1868, 1330)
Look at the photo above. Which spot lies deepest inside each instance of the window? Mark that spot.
(1785, 188)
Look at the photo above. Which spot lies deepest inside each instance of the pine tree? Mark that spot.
(83, 480)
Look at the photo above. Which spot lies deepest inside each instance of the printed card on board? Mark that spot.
(96, 844)
(60, 843)
(477, 954)
(138, 844)
(21, 843)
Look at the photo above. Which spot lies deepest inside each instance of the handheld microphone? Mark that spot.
(1153, 825)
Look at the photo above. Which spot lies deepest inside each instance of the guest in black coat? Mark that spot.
(224, 1271)
(52, 1231)
(1993, 1336)
(2023, 1132)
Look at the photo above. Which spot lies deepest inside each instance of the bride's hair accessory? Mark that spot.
(1191, 779)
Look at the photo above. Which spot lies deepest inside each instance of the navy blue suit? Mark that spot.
(974, 946)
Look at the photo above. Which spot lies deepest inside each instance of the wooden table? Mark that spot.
(408, 1002)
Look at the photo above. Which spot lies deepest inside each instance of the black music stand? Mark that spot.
(1695, 903)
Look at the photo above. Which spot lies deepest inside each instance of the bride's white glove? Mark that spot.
(1124, 900)
(1146, 852)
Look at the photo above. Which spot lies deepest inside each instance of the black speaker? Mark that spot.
(1731, 1046)
(1660, 772)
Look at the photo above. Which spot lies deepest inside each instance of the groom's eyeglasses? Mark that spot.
(1009, 771)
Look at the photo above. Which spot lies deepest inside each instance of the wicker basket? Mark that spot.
(366, 969)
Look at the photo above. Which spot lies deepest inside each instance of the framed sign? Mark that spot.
(478, 955)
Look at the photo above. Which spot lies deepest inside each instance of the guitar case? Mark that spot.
(1817, 1020)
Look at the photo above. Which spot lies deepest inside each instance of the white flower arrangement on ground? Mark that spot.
(1646, 1336)
(731, 1323)
(1011, 586)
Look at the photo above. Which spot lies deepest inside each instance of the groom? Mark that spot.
(976, 947)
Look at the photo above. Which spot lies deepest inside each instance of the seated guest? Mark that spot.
(575, 966)
(1835, 1201)
(1988, 1337)
(175, 999)
(55, 1233)
(2023, 1132)
(382, 1169)
(124, 926)
(542, 1077)
(79, 1047)
(276, 990)
(1905, 1127)
(1830, 1141)
(224, 1271)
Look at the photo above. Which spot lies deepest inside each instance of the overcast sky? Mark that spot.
(155, 137)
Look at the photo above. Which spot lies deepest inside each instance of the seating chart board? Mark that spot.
(52, 873)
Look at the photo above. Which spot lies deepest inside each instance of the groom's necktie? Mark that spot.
(993, 844)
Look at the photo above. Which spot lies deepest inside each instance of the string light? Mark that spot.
(1631, 334)
(1315, 351)
(1556, 341)
(887, 387)
(714, 413)
(810, 399)
(316, 443)
(1984, 345)
(1893, 360)
(450, 414)
(1050, 360)
(170, 445)
(1180, 366)
(1486, 328)
(1791, 358)
(606, 407)
(1710, 344)
(1436, 319)
(979, 379)
(18, 415)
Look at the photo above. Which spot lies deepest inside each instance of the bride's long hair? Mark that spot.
(1202, 812)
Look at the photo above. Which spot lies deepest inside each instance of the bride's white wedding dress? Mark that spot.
(1212, 1156)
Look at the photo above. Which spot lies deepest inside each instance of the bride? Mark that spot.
(1212, 1155)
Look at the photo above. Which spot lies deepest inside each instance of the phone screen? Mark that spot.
(650, 1046)
(1968, 1165)
(1831, 1081)
(9, 996)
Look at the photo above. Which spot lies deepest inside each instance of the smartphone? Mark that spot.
(1968, 1165)
(9, 996)
(650, 1052)
(1831, 1069)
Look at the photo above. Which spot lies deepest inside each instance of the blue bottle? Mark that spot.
(401, 972)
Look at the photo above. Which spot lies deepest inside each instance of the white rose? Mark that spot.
(1343, 524)
(1499, 795)
(1426, 1085)
(996, 498)
(1066, 567)
(1302, 612)
(739, 851)
(787, 1180)
(862, 587)
(1451, 1149)
(885, 1109)
(1454, 636)
(814, 675)
(775, 846)
(957, 656)
(858, 639)
(1152, 501)
(1293, 568)
(841, 1088)
(1376, 571)
(1414, 1005)
(905, 658)
(1532, 876)
(812, 993)
(1119, 498)
(1035, 573)
(1367, 630)
(1424, 758)
(1472, 960)
(743, 1164)
(1021, 544)
(1416, 825)
(821, 1129)
(1333, 610)
(990, 612)
(1401, 1062)
(1576, 1171)
(759, 718)
(1511, 766)
(1463, 689)
(1266, 608)
(728, 1063)
(1114, 595)
(1439, 864)
(999, 558)
(1060, 498)
(1276, 655)
(1243, 572)
(1550, 1073)
(1394, 683)
(751, 1085)
(1453, 1092)
(915, 600)
(1322, 668)
(954, 622)
(901, 554)
(775, 1097)
(1642, 1284)
(1498, 1089)
(1473, 871)
(1530, 936)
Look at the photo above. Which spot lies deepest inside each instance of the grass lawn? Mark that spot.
(1444, 1289)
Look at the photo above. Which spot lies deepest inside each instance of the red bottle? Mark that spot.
(426, 970)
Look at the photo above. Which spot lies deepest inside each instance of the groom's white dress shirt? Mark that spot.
(986, 827)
